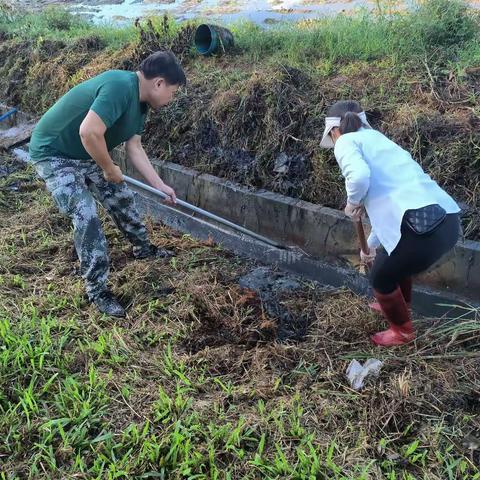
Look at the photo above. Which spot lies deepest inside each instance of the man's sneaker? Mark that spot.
(107, 303)
(151, 251)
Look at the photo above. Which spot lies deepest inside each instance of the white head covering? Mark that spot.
(331, 122)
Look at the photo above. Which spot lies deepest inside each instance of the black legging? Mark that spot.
(414, 254)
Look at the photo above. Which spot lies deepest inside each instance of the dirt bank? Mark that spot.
(259, 123)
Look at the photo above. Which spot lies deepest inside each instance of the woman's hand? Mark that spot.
(355, 212)
(368, 258)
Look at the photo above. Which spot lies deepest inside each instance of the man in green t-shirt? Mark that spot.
(70, 150)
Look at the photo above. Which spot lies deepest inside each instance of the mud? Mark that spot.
(269, 286)
(5, 168)
(272, 287)
(11, 179)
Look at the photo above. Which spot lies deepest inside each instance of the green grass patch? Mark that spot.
(56, 23)
(444, 28)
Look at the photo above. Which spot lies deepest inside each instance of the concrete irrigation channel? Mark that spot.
(314, 242)
(447, 289)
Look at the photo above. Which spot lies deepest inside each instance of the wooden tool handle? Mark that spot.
(361, 237)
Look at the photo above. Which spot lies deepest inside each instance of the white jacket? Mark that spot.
(384, 178)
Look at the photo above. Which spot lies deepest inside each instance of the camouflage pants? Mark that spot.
(75, 185)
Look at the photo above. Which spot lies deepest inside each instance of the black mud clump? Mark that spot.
(270, 286)
(92, 43)
(16, 180)
(9, 165)
(247, 311)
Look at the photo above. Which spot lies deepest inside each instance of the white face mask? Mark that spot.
(332, 122)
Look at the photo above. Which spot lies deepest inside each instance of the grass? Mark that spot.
(442, 27)
(56, 23)
(192, 384)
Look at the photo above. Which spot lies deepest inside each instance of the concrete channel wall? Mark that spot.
(319, 231)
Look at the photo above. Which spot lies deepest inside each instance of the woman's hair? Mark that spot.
(347, 110)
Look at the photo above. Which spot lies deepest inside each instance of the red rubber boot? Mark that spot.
(406, 287)
(396, 312)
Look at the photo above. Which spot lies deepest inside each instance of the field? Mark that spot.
(224, 369)
(208, 380)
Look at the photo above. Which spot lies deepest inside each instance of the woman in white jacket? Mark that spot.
(412, 218)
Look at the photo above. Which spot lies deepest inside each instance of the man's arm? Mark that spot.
(92, 134)
(137, 155)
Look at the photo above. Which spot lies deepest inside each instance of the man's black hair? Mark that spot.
(166, 65)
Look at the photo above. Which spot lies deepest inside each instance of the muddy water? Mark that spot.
(265, 12)
(227, 11)
(259, 11)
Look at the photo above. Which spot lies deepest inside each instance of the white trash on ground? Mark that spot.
(357, 373)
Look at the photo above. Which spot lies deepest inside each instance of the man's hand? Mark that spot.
(138, 158)
(355, 212)
(172, 197)
(113, 174)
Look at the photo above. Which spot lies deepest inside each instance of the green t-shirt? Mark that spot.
(112, 95)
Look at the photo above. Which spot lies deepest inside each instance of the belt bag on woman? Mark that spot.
(426, 219)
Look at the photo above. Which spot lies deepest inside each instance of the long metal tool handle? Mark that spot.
(361, 237)
(195, 209)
